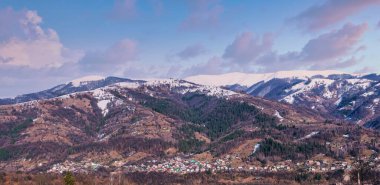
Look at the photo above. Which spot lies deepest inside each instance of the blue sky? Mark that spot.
(44, 43)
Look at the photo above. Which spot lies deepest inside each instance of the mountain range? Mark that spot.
(232, 121)
(352, 97)
(78, 85)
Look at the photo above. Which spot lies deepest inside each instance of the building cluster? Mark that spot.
(184, 166)
(75, 167)
(188, 165)
(179, 165)
(323, 166)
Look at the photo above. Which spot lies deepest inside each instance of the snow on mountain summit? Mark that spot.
(77, 82)
(248, 79)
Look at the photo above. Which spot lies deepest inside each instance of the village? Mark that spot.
(184, 166)
(179, 165)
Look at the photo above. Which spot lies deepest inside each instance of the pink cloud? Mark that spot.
(366, 70)
(332, 50)
(124, 9)
(124, 50)
(246, 47)
(120, 55)
(158, 6)
(191, 51)
(336, 64)
(10, 19)
(214, 65)
(330, 12)
(335, 43)
(203, 14)
(336, 49)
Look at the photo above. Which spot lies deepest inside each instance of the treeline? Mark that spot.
(51, 150)
(124, 146)
(271, 148)
(216, 114)
(191, 145)
(13, 129)
(4, 154)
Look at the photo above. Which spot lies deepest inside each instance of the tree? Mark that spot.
(318, 177)
(69, 179)
(363, 171)
(4, 154)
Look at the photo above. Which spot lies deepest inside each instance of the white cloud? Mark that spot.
(27, 44)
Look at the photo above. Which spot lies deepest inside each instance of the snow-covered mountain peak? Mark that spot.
(77, 82)
(304, 73)
(170, 81)
(248, 79)
(183, 86)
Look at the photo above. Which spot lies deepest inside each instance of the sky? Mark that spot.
(45, 43)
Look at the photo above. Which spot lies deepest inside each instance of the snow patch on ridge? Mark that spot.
(310, 135)
(130, 85)
(257, 146)
(104, 98)
(307, 86)
(83, 80)
(102, 104)
(326, 88)
(246, 79)
(277, 114)
(183, 87)
(370, 93)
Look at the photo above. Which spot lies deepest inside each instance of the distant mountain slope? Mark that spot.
(78, 85)
(246, 79)
(345, 96)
